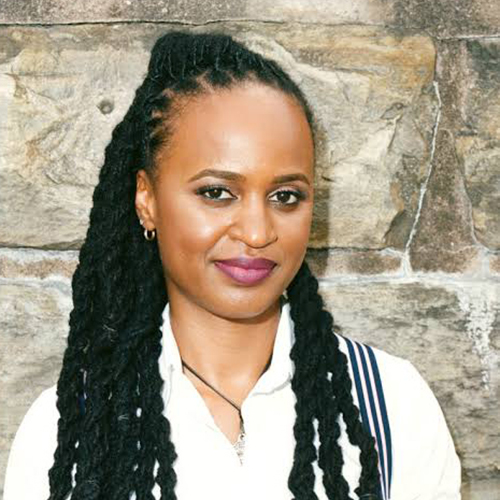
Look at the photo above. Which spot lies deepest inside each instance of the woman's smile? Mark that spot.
(249, 272)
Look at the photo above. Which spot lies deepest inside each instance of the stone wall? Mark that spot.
(406, 233)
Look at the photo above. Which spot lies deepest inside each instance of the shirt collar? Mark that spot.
(278, 374)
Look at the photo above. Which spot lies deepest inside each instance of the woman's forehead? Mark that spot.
(245, 125)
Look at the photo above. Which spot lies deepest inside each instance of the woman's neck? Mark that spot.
(231, 354)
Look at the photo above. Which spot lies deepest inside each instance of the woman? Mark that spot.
(201, 361)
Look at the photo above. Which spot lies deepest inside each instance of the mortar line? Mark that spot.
(468, 37)
(57, 24)
(399, 279)
(35, 253)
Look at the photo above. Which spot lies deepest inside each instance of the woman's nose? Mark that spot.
(253, 223)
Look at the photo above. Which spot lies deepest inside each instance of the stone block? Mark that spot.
(61, 93)
(478, 137)
(38, 264)
(34, 323)
(444, 240)
(441, 18)
(320, 11)
(326, 264)
(460, 215)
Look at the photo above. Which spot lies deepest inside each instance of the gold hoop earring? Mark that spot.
(149, 235)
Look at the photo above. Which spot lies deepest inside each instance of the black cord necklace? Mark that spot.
(232, 403)
(240, 443)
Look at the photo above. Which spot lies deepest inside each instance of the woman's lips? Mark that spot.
(249, 276)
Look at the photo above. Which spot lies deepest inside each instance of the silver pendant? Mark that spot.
(239, 446)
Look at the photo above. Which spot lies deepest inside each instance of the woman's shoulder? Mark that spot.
(360, 350)
(32, 450)
(410, 425)
(393, 378)
(377, 365)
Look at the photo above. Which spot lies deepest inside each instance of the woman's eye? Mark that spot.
(284, 197)
(214, 192)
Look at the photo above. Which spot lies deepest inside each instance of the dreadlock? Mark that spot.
(121, 443)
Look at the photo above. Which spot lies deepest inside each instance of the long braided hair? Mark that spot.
(121, 443)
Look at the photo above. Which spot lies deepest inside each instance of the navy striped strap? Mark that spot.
(81, 404)
(372, 406)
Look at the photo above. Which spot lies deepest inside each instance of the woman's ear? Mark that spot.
(145, 201)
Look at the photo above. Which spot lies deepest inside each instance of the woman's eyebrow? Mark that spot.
(233, 176)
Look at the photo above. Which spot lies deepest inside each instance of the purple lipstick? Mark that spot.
(246, 271)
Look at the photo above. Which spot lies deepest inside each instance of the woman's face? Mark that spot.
(234, 181)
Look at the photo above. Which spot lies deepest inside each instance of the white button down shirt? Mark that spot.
(425, 465)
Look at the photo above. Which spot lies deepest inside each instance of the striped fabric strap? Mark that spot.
(372, 406)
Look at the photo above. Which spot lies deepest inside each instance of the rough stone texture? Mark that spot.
(60, 98)
(33, 322)
(461, 209)
(494, 264)
(441, 18)
(478, 138)
(481, 489)
(415, 320)
(59, 11)
(35, 264)
(64, 90)
(447, 18)
(331, 263)
(444, 238)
